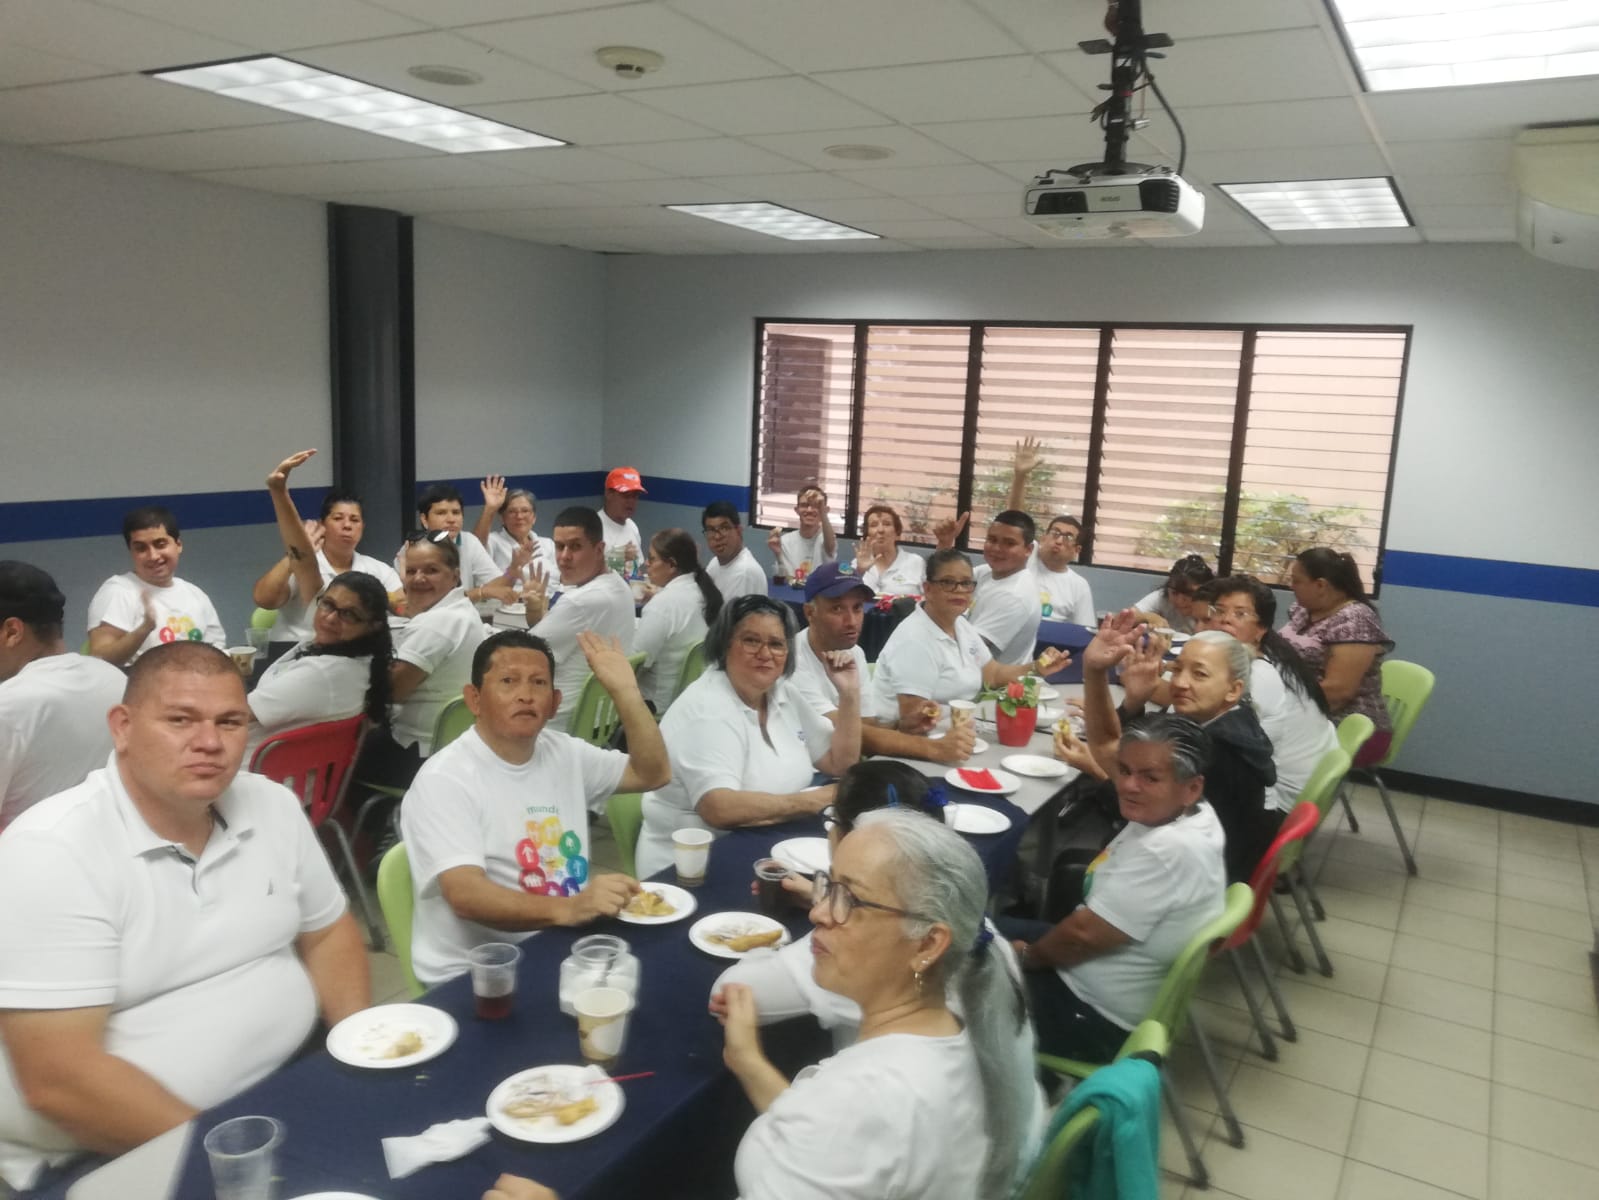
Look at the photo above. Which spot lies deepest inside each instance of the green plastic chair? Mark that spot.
(1353, 732)
(1171, 1011)
(1046, 1178)
(396, 899)
(263, 618)
(1323, 788)
(625, 812)
(1406, 688)
(594, 719)
(454, 719)
(693, 667)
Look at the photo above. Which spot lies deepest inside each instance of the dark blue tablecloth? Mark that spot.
(675, 1137)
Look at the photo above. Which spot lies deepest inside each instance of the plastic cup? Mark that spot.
(259, 639)
(769, 876)
(242, 1152)
(962, 712)
(494, 979)
(691, 852)
(602, 1023)
(243, 658)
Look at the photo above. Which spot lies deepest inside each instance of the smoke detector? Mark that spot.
(445, 76)
(629, 62)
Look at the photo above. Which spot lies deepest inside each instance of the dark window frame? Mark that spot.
(1091, 485)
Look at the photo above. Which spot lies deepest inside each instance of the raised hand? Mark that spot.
(314, 531)
(774, 542)
(535, 595)
(520, 558)
(1052, 661)
(740, 1028)
(841, 672)
(947, 529)
(1027, 456)
(1072, 750)
(608, 662)
(493, 489)
(280, 473)
(1115, 641)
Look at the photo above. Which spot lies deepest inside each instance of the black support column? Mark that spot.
(373, 381)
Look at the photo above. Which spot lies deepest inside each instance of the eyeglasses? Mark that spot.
(955, 585)
(752, 644)
(831, 820)
(1236, 614)
(437, 536)
(840, 901)
(1065, 535)
(717, 530)
(350, 616)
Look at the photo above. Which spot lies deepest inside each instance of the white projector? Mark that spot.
(1074, 207)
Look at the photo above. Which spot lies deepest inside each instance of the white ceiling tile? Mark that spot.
(108, 37)
(667, 191)
(1342, 237)
(1489, 111)
(278, 24)
(807, 36)
(865, 214)
(1308, 162)
(915, 231)
(977, 241)
(609, 217)
(601, 119)
(958, 180)
(332, 179)
(1054, 139)
(1288, 125)
(1498, 217)
(911, 149)
(117, 106)
(706, 156)
(1014, 86)
(1437, 234)
(794, 187)
(566, 43)
(984, 204)
(386, 61)
(23, 67)
(572, 164)
(1484, 154)
(284, 144)
(450, 13)
(784, 105)
(1207, 239)
(1477, 189)
(517, 198)
(1054, 25)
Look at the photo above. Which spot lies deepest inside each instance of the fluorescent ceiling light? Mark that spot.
(773, 220)
(1322, 203)
(1402, 44)
(311, 92)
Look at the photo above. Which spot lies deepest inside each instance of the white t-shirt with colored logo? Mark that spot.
(183, 613)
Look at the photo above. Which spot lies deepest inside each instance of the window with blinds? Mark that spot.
(1244, 444)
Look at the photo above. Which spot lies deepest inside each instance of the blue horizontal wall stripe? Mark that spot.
(49, 520)
(560, 486)
(1491, 577)
(694, 493)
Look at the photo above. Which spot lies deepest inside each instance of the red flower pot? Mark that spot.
(1017, 730)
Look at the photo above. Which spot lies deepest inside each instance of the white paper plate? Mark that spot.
(979, 746)
(807, 855)
(974, 818)
(361, 1039)
(1008, 783)
(558, 1077)
(1048, 693)
(335, 1196)
(1035, 765)
(1048, 713)
(733, 924)
(680, 898)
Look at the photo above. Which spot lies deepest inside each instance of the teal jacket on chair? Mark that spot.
(1121, 1158)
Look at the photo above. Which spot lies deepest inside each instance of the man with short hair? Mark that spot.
(497, 822)
(53, 704)
(170, 929)
(799, 552)
(439, 506)
(731, 567)
(623, 487)
(1064, 594)
(593, 599)
(835, 610)
(150, 606)
(1006, 610)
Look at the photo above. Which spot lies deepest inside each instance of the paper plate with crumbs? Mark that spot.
(1035, 765)
(558, 1103)
(658, 904)
(735, 934)
(390, 1036)
(807, 855)
(975, 818)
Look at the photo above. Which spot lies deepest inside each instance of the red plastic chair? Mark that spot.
(314, 763)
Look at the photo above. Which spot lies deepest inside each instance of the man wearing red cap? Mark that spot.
(623, 487)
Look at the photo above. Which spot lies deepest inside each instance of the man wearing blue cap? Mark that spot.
(835, 610)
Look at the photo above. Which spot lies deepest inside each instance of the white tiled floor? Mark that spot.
(1454, 1052)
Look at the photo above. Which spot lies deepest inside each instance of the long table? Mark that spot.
(675, 1137)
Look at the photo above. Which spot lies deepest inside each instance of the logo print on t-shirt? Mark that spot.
(1088, 875)
(180, 629)
(551, 858)
(1045, 602)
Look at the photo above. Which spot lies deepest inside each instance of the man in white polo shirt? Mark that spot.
(732, 567)
(1006, 611)
(593, 599)
(835, 611)
(623, 487)
(170, 929)
(497, 822)
(150, 606)
(53, 704)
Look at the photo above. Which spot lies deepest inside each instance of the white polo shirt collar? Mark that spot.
(231, 828)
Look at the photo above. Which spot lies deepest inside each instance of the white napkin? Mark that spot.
(438, 1143)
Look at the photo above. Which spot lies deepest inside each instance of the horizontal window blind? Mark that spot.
(803, 434)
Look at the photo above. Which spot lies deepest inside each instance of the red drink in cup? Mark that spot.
(769, 876)
(494, 979)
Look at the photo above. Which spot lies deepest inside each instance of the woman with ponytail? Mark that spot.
(680, 608)
(1335, 628)
(342, 670)
(925, 1104)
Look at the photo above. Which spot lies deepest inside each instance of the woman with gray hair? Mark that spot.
(1095, 974)
(514, 547)
(923, 1105)
(744, 743)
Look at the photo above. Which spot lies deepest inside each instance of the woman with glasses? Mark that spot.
(514, 547)
(338, 672)
(676, 616)
(1174, 605)
(925, 1103)
(883, 565)
(744, 743)
(933, 656)
(313, 553)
